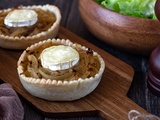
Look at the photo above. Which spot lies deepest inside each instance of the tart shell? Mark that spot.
(58, 90)
(21, 43)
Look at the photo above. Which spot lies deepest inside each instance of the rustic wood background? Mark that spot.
(71, 20)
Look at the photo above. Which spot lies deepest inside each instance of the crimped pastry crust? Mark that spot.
(58, 90)
(22, 42)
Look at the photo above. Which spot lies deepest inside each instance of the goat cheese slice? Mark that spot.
(59, 57)
(21, 18)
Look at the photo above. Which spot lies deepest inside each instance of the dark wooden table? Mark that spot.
(71, 20)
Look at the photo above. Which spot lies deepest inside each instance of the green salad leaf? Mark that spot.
(138, 8)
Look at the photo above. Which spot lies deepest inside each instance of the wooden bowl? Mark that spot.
(130, 34)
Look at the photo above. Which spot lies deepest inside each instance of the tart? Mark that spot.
(18, 33)
(59, 70)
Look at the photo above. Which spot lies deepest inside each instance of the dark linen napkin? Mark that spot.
(10, 104)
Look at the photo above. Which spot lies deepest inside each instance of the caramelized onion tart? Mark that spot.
(25, 25)
(69, 71)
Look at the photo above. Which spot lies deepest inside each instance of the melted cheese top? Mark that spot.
(59, 57)
(21, 18)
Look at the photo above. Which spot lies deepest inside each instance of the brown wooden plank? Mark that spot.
(109, 100)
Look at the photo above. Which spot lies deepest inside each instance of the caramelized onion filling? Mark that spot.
(88, 66)
(45, 21)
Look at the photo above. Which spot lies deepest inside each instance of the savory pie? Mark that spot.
(69, 71)
(15, 36)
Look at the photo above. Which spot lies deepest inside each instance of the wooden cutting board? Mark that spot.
(108, 100)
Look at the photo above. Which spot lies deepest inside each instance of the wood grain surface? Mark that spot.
(105, 101)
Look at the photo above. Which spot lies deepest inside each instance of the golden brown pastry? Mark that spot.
(59, 70)
(40, 23)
